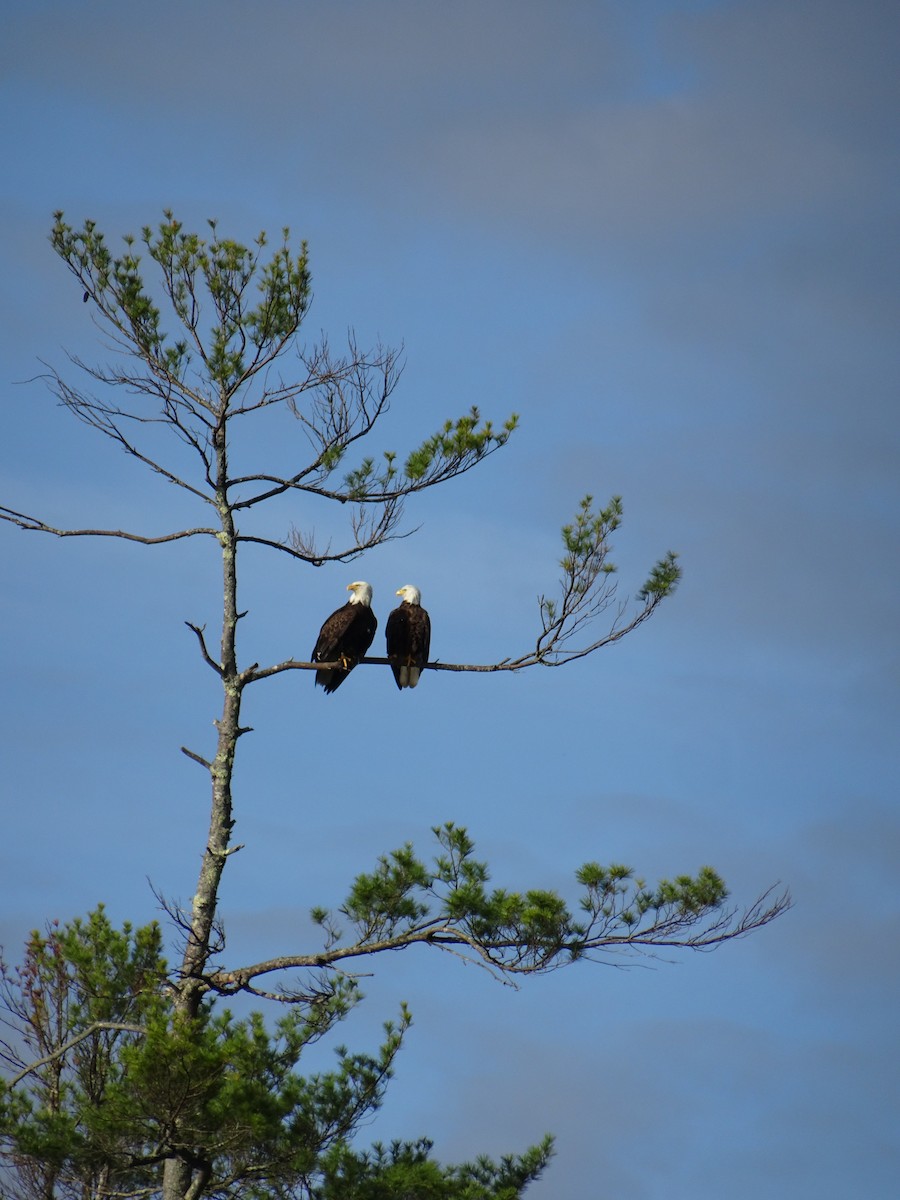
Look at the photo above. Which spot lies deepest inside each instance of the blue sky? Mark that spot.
(665, 234)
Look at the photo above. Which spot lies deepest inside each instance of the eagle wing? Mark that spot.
(346, 635)
(408, 636)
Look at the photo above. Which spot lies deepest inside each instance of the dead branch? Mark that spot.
(368, 533)
(207, 657)
(121, 1026)
(105, 418)
(197, 758)
(344, 407)
(37, 525)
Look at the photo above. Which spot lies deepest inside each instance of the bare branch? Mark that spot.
(371, 527)
(196, 758)
(255, 672)
(105, 418)
(121, 1026)
(35, 524)
(345, 398)
(199, 1182)
(549, 651)
(303, 547)
(207, 657)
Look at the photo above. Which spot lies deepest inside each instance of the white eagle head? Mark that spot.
(360, 593)
(410, 594)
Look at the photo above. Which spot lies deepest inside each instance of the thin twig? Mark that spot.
(197, 758)
(207, 657)
(122, 1026)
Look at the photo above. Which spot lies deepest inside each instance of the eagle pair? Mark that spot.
(348, 633)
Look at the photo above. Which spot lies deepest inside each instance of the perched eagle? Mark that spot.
(408, 636)
(345, 637)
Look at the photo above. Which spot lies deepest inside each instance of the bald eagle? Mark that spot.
(345, 637)
(408, 636)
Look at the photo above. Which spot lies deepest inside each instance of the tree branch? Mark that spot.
(345, 405)
(302, 546)
(122, 1026)
(527, 960)
(104, 418)
(35, 524)
(254, 673)
(197, 758)
(207, 657)
(514, 933)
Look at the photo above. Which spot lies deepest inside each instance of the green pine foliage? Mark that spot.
(406, 1170)
(236, 313)
(107, 1080)
(403, 902)
(128, 1078)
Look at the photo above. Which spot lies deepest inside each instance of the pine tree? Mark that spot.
(127, 1077)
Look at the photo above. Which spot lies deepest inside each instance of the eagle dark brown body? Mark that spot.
(408, 634)
(345, 637)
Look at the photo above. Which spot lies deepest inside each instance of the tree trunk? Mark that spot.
(176, 1179)
(177, 1174)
